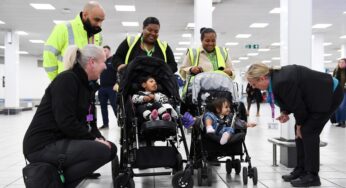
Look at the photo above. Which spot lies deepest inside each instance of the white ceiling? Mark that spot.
(230, 17)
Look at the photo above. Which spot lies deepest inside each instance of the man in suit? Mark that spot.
(312, 97)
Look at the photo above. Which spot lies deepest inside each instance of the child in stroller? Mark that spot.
(218, 119)
(149, 102)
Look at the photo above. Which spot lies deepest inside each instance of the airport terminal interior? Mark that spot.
(272, 32)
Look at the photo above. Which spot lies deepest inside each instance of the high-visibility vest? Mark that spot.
(63, 35)
(193, 53)
(131, 41)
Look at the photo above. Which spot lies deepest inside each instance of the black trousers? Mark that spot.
(82, 158)
(308, 148)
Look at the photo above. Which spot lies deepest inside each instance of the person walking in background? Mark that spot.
(312, 97)
(253, 94)
(62, 122)
(108, 80)
(340, 74)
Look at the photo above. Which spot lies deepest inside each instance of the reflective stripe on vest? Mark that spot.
(70, 33)
(51, 69)
(131, 42)
(54, 51)
(221, 56)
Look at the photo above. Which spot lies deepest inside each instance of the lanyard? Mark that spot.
(149, 52)
(91, 40)
(89, 118)
(270, 98)
(212, 58)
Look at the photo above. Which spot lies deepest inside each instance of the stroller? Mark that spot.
(137, 136)
(205, 148)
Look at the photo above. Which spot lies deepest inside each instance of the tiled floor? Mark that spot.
(333, 157)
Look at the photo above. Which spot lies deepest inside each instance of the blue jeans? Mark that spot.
(105, 94)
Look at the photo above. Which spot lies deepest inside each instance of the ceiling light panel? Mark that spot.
(327, 44)
(130, 24)
(235, 61)
(1, 22)
(275, 11)
(275, 58)
(37, 41)
(252, 54)
(266, 61)
(243, 36)
(243, 58)
(178, 53)
(22, 33)
(181, 49)
(275, 44)
(186, 35)
(263, 49)
(127, 8)
(343, 37)
(258, 25)
(231, 43)
(321, 26)
(184, 43)
(42, 6)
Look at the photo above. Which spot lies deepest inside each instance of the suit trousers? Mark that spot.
(308, 148)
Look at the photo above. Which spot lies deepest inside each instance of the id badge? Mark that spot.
(90, 117)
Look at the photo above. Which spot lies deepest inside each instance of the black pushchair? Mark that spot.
(205, 148)
(137, 149)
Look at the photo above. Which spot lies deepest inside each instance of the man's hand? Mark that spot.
(283, 118)
(149, 98)
(299, 132)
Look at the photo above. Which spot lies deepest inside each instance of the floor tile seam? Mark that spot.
(13, 182)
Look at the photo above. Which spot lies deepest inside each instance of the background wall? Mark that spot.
(32, 79)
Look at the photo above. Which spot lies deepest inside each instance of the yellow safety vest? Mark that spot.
(131, 41)
(63, 35)
(193, 53)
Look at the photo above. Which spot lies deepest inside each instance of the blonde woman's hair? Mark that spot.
(257, 70)
(73, 55)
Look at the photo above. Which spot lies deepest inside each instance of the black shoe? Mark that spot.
(296, 173)
(306, 181)
(104, 127)
(93, 176)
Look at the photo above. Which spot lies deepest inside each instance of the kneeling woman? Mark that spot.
(64, 117)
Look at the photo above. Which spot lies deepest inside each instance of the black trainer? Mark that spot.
(307, 180)
(93, 176)
(296, 173)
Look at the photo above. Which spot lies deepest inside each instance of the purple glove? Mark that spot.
(187, 120)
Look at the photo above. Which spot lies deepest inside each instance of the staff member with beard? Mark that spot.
(147, 44)
(83, 30)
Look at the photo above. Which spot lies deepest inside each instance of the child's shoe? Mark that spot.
(225, 137)
(210, 129)
(166, 116)
(154, 115)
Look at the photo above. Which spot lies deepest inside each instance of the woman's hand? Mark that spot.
(196, 70)
(283, 118)
(105, 142)
(299, 132)
(252, 124)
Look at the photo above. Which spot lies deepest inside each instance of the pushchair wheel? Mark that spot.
(124, 181)
(245, 175)
(237, 166)
(255, 175)
(179, 182)
(115, 168)
(228, 166)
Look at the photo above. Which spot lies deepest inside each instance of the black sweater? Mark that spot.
(120, 55)
(62, 112)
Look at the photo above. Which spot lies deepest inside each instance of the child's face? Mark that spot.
(150, 85)
(226, 109)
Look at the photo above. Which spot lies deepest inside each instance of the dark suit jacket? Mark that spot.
(302, 91)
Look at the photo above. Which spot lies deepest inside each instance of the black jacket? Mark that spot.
(120, 55)
(302, 91)
(62, 112)
(109, 76)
